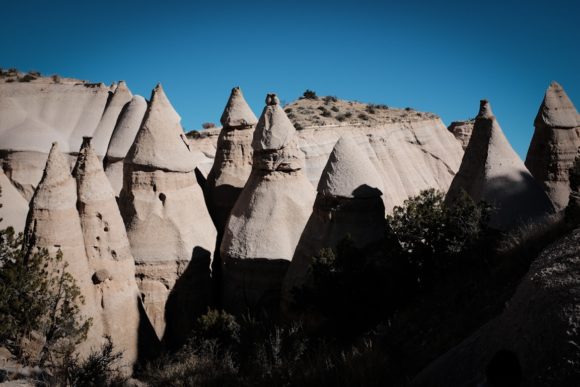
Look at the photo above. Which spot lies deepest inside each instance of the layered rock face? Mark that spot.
(110, 258)
(268, 218)
(555, 144)
(14, 207)
(169, 228)
(539, 328)
(122, 138)
(412, 151)
(462, 131)
(54, 224)
(348, 203)
(233, 158)
(491, 171)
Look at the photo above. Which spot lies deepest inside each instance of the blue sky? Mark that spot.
(438, 56)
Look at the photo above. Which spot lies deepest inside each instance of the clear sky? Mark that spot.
(438, 56)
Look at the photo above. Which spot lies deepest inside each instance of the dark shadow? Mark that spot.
(148, 344)
(366, 191)
(189, 299)
(504, 370)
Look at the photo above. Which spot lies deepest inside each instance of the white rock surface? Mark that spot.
(14, 207)
(268, 217)
(53, 223)
(492, 171)
(115, 103)
(348, 204)
(555, 144)
(122, 138)
(171, 233)
(110, 258)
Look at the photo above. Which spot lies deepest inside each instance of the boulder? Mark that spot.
(171, 233)
(491, 171)
(555, 144)
(233, 158)
(348, 204)
(268, 218)
(536, 337)
(54, 224)
(110, 258)
(122, 138)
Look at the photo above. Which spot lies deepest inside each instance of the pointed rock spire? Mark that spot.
(237, 113)
(171, 233)
(233, 159)
(557, 110)
(117, 100)
(274, 129)
(348, 203)
(160, 142)
(268, 218)
(555, 144)
(492, 171)
(109, 253)
(349, 173)
(54, 224)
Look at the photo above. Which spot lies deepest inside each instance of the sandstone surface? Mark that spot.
(169, 228)
(491, 171)
(14, 207)
(115, 103)
(462, 131)
(348, 203)
(268, 218)
(539, 327)
(555, 144)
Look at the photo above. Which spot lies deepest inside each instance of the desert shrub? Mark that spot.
(340, 117)
(408, 109)
(38, 297)
(370, 109)
(100, 368)
(309, 94)
(219, 326)
(56, 78)
(363, 116)
(208, 125)
(288, 110)
(330, 98)
(348, 114)
(334, 109)
(26, 78)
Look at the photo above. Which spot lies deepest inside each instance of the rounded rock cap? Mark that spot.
(274, 129)
(237, 112)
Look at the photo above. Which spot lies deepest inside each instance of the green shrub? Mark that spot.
(219, 326)
(330, 98)
(334, 109)
(309, 94)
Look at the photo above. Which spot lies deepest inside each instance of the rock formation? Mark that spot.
(54, 224)
(411, 150)
(268, 217)
(348, 204)
(122, 138)
(462, 131)
(491, 171)
(115, 103)
(233, 158)
(109, 255)
(555, 144)
(171, 233)
(13, 207)
(539, 328)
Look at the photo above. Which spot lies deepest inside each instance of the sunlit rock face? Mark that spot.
(110, 258)
(555, 144)
(348, 204)
(233, 158)
(268, 218)
(54, 224)
(171, 233)
(491, 171)
(122, 138)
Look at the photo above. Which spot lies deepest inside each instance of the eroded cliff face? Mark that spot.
(412, 151)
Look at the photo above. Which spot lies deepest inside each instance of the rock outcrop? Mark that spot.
(348, 203)
(13, 207)
(462, 131)
(539, 329)
(54, 224)
(555, 144)
(233, 158)
(169, 228)
(268, 218)
(411, 150)
(110, 258)
(122, 138)
(115, 103)
(491, 171)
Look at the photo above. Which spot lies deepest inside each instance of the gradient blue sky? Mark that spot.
(434, 56)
